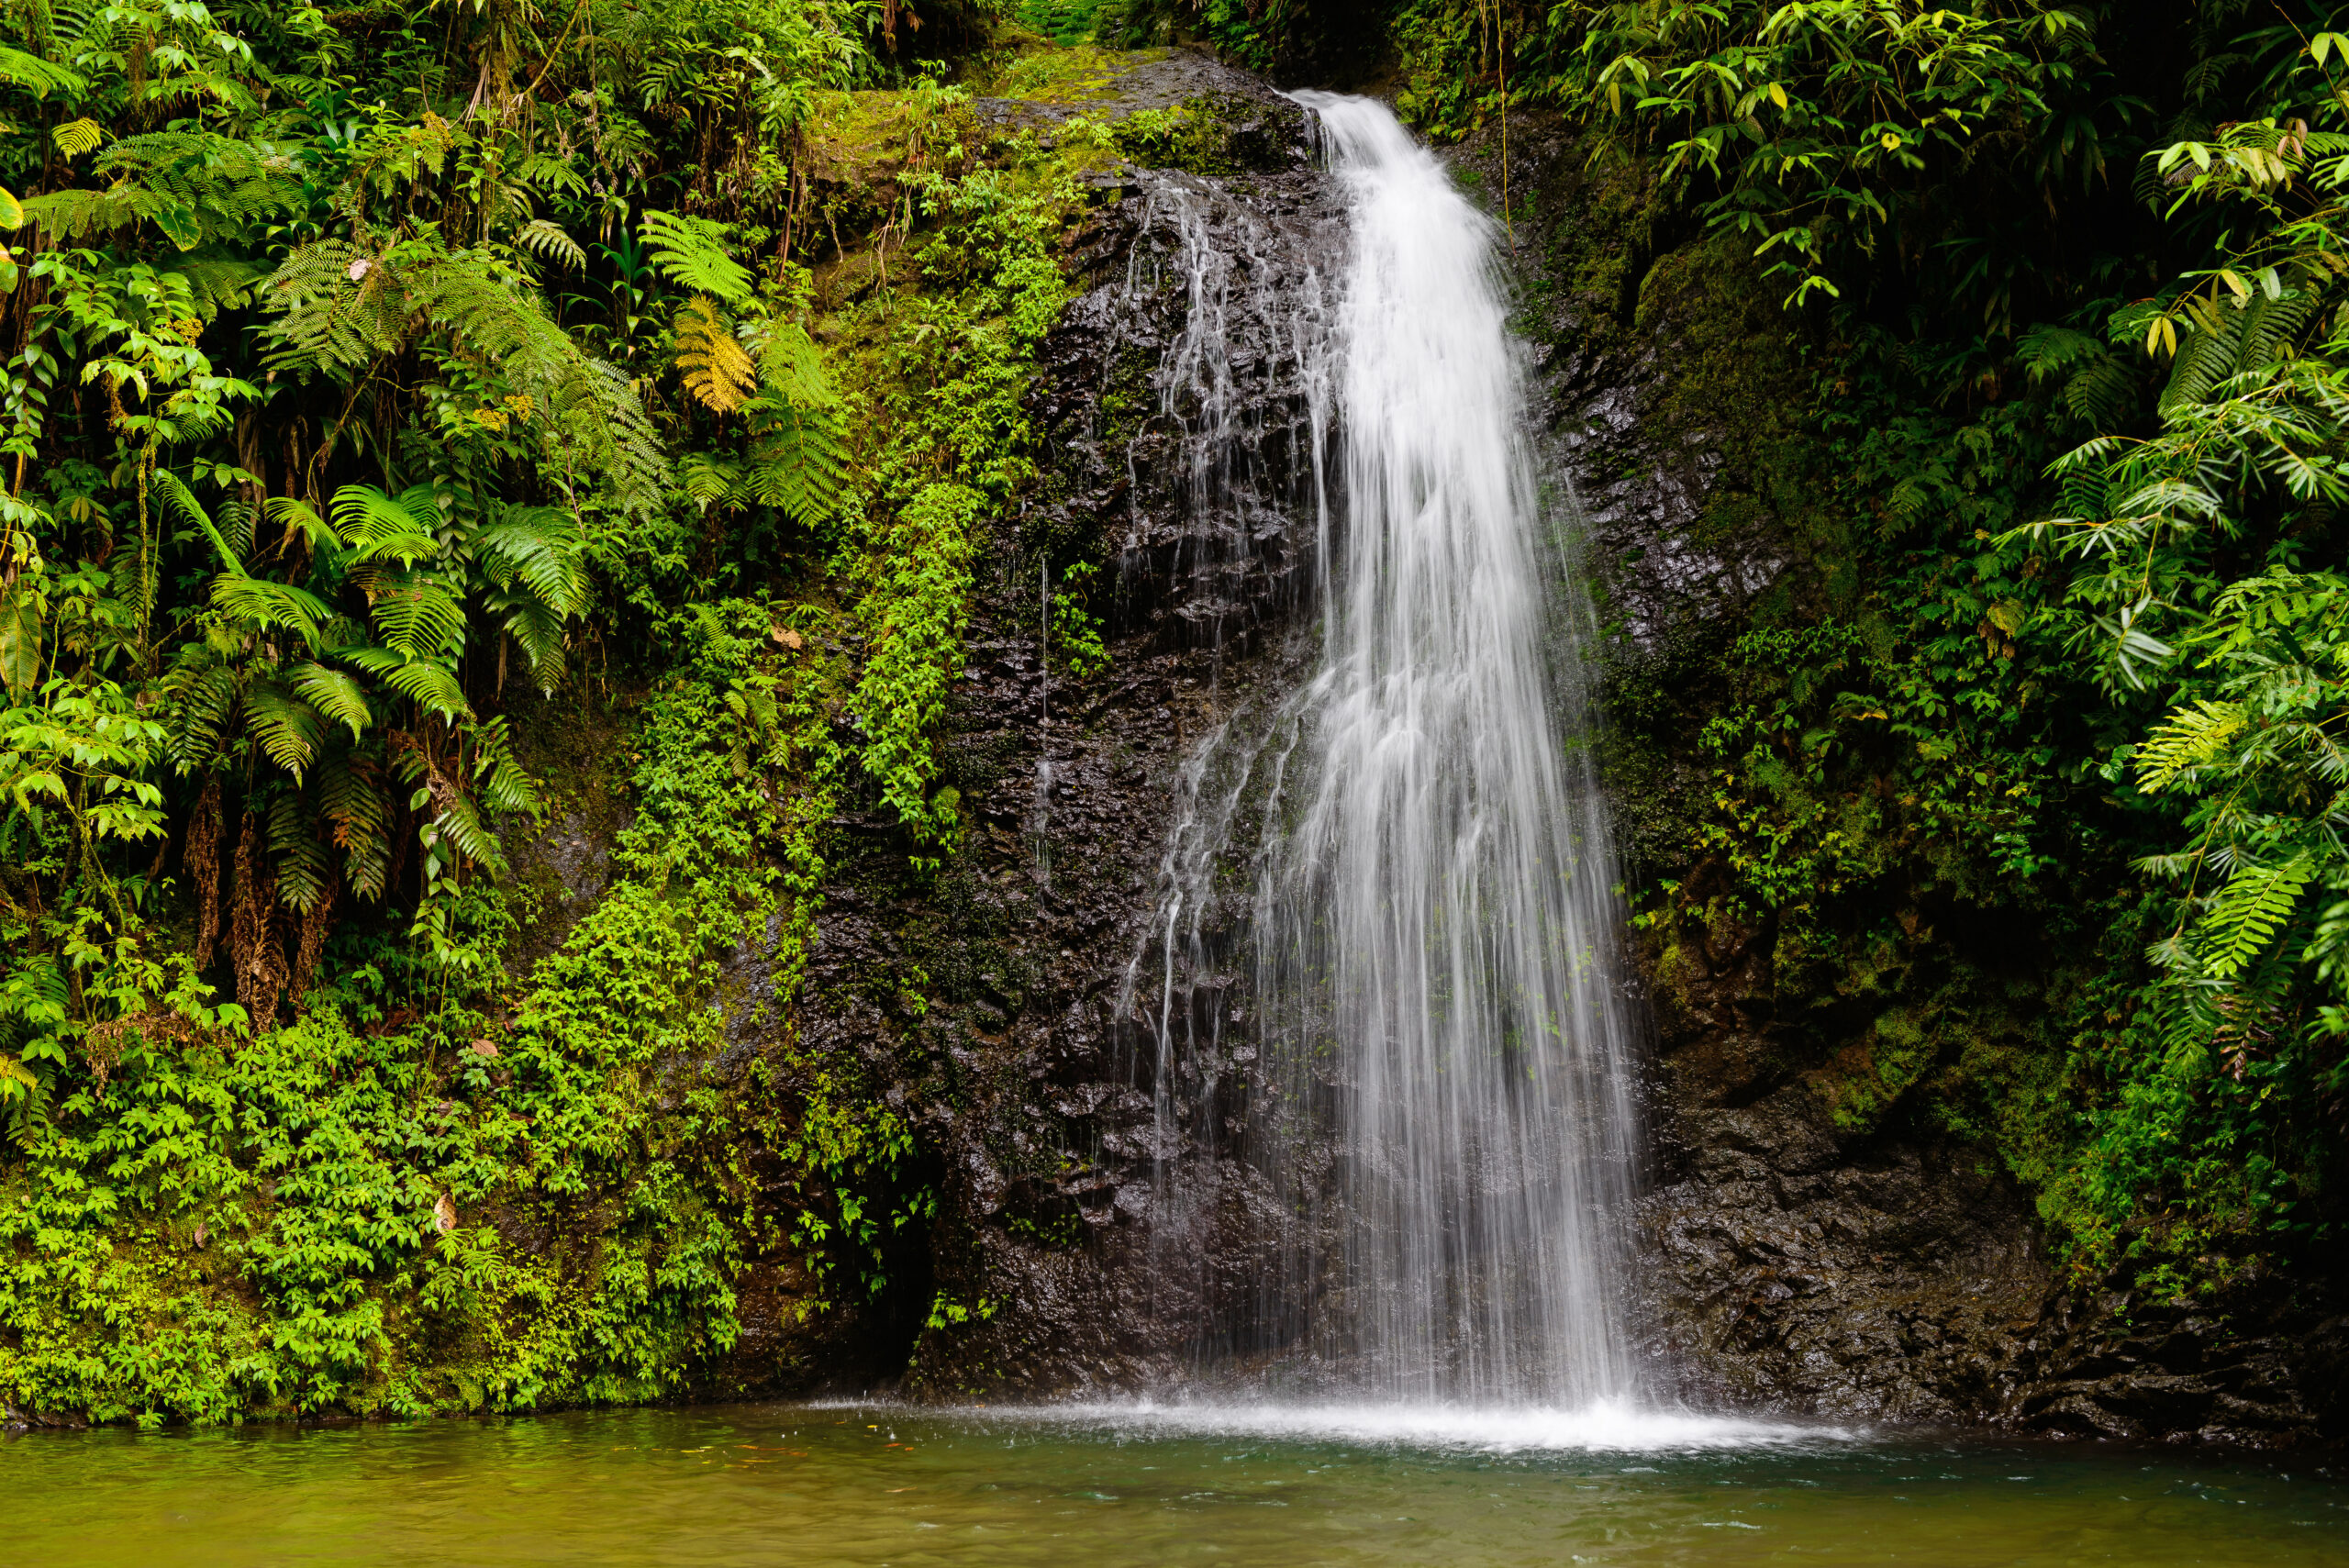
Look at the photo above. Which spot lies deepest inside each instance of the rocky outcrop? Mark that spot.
(1019, 1061)
(1892, 1272)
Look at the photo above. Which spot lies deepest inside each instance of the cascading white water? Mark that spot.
(1434, 918)
(1440, 915)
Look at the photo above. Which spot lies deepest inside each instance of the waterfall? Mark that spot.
(1443, 1102)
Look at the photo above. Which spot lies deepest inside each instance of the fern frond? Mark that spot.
(718, 370)
(539, 546)
(2246, 914)
(198, 702)
(286, 728)
(217, 283)
(38, 76)
(503, 782)
(301, 859)
(707, 478)
(334, 306)
(351, 793)
(381, 525)
(594, 424)
(419, 680)
(798, 462)
(335, 695)
(2189, 739)
(271, 606)
(691, 253)
(417, 615)
(548, 241)
(76, 137)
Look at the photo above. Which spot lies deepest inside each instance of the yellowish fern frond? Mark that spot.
(76, 137)
(2192, 738)
(718, 370)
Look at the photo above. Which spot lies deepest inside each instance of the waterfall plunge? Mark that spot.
(1432, 918)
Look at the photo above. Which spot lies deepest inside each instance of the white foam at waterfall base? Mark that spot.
(1603, 1427)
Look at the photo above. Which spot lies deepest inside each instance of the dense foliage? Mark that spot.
(374, 377)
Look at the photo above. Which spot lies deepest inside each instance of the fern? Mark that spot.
(2245, 915)
(196, 186)
(417, 615)
(549, 241)
(269, 605)
(38, 76)
(718, 370)
(2190, 740)
(2229, 340)
(428, 685)
(595, 424)
(799, 462)
(301, 861)
(286, 728)
(707, 478)
(336, 697)
(76, 137)
(384, 528)
(328, 318)
(691, 253)
(351, 797)
(536, 562)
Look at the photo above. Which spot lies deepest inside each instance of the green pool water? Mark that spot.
(1081, 1486)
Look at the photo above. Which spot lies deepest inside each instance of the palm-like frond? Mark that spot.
(431, 685)
(269, 605)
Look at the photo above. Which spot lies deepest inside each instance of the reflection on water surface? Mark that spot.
(1079, 1486)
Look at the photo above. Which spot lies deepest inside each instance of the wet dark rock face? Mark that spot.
(1902, 1276)
(1785, 1263)
(1022, 1071)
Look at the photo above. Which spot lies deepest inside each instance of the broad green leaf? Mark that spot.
(23, 615)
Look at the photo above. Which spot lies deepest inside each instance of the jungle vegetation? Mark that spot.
(387, 386)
